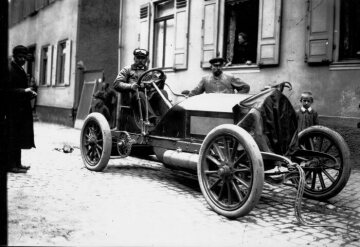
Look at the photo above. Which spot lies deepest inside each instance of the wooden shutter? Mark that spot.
(181, 34)
(49, 65)
(209, 31)
(67, 69)
(319, 33)
(54, 65)
(269, 32)
(144, 26)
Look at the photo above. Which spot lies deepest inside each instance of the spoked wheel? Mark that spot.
(95, 142)
(230, 171)
(324, 177)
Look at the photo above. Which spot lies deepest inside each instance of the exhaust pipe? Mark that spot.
(177, 158)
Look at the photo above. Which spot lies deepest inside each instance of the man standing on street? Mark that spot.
(219, 82)
(19, 113)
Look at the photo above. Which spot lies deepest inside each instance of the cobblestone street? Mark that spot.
(137, 202)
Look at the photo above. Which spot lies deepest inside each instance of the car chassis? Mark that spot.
(234, 147)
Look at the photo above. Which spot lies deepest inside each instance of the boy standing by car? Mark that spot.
(306, 115)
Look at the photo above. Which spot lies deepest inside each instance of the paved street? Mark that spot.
(138, 202)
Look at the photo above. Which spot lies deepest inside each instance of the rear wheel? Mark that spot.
(95, 142)
(325, 178)
(230, 171)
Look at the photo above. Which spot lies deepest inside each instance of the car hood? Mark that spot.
(213, 102)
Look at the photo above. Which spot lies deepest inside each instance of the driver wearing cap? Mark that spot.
(219, 82)
(127, 81)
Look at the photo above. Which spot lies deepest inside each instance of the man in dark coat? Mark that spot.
(19, 112)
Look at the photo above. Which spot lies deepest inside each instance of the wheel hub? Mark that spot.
(92, 139)
(225, 171)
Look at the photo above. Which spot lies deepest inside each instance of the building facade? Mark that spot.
(65, 37)
(313, 44)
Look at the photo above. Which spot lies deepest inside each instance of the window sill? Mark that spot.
(253, 68)
(60, 86)
(348, 65)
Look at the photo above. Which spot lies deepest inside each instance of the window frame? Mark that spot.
(164, 20)
(45, 82)
(324, 49)
(337, 32)
(268, 42)
(60, 63)
(146, 35)
(62, 69)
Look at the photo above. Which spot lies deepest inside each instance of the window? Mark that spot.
(30, 63)
(169, 42)
(242, 31)
(332, 31)
(164, 34)
(45, 65)
(61, 57)
(62, 63)
(349, 43)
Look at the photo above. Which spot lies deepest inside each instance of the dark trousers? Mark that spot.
(14, 158)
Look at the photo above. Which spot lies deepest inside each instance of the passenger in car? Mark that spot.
(306, 115)
(219, 82)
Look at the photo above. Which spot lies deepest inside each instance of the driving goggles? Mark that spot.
(141, 53)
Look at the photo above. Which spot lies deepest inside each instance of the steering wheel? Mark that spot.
(153, 75)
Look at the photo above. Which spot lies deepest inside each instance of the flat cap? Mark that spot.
(20, 49)
(217, 61)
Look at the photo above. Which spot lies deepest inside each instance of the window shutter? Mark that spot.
(54, 64)
(144, 26)
(319, 33)
(67, 69)
(209, 31)
(269, 32)
(49, 65)
(181, 34)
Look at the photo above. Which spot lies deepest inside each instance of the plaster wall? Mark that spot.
(336, 92)
(55, 22)
(98, 36)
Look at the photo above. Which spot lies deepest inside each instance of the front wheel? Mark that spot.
(325, 178)
(95, 142)
(230, 171)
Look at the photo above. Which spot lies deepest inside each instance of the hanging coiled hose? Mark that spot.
(298, 201)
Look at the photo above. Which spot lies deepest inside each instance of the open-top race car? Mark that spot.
(235, 143)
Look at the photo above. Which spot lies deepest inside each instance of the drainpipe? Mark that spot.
(119, 56)
(120, 34)
(79, 66)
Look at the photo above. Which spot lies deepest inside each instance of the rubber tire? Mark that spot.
(107, 142)
(258, 168)
(345, 153)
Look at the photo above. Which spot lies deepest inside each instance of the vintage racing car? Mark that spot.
(234, 142)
